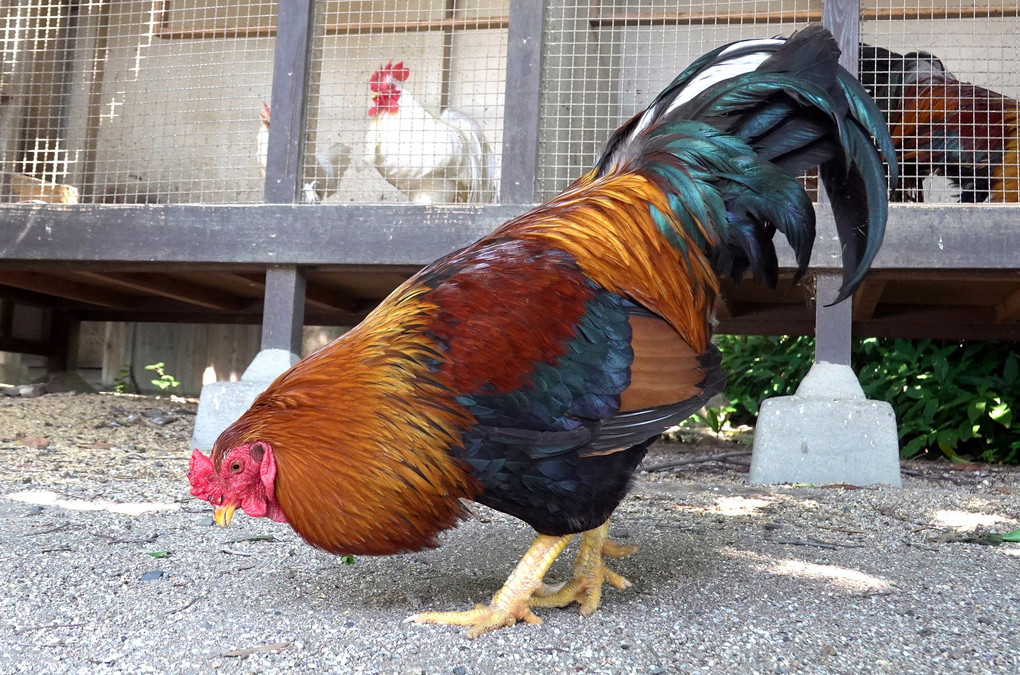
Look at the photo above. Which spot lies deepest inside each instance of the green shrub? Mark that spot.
(951, 398)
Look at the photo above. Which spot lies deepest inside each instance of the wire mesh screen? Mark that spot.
(133, 100)
(947, 74)
(605, 61)
(406, 101)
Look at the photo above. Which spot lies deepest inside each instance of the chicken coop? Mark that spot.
(254, 166)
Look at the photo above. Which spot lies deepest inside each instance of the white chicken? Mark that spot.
(324, 178)
(431, 159)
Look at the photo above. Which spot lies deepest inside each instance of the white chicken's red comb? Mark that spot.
(385, 74)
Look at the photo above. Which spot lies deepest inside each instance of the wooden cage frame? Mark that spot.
(268, 263)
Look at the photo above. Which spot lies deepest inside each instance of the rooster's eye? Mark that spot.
(236, 467)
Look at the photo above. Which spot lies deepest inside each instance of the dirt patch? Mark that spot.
(108, 565)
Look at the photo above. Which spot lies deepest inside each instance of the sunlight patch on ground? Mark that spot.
(47, 498)
(965, 520)
(843, 578)
(740, 506)
(730, 506)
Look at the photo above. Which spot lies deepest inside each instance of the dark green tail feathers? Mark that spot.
(727, 138)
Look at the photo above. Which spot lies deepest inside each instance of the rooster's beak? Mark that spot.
(223, 514)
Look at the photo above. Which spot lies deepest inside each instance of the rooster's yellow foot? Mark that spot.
(512, 602)
(481, 619)
(590, 573)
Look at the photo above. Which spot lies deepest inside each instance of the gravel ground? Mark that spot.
(729, 578)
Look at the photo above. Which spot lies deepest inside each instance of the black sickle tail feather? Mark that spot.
(740, 123)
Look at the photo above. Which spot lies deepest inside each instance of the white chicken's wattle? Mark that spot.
(431, 159)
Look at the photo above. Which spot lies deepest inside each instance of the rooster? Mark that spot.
(531, 370)
(943, 126)
(431, 159)
(325, 176)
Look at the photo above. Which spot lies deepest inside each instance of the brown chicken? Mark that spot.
(942, 126)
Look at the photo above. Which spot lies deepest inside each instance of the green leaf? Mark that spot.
(347, 559)
(1011, 536)
(915, 446)
(976, 409)
(1010, 369)
(158, 554)
(1002, 414)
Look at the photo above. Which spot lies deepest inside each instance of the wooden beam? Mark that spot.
(522, 102)
(341, 235)
(9, 344)
(1008, 311)
(498, 22)
(65, 288)
(284, 310)
(167, 286)
(630, 19)
(867, 297)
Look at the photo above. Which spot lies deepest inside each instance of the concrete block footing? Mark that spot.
(221, 403)
(827, 432)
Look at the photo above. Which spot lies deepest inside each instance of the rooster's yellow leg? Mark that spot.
(511, 603)
(590, 572)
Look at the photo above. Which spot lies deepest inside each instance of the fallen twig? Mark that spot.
(848, 530)
(193, 601)
(871, 594)
(696, 459)
(29, 629)
(258, 537)
(114, 540)
(275, 647)
(816, 543)
(233, 552)
(58, 528)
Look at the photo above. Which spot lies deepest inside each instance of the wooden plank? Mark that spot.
(18, 346)
(284, 309)
(629, 19)
(238, 284)
(284, 157)
(867, 297)
(166, 286)
(834, 323)
(65, 288)
(496, 22)
(1008, 310)
(362, 235)
(519, 174)
(842, 18)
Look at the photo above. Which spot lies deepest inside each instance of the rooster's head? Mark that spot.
(385, 90)
(245, 478)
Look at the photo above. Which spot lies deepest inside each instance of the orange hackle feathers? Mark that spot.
(361, 452)
(607, 226)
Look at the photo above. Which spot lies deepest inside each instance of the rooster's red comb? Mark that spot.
(202, 474)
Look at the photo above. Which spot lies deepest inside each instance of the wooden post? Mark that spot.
(834, 325)
(284, 306)
(521, 106)
(285, 290)
(63, 343)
